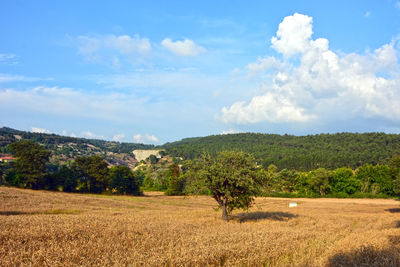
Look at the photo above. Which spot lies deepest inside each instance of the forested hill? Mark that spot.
(286, 151)
(297, 152)
(65, 148)
(9, 135)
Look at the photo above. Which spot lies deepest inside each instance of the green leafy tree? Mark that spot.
(193, 184)
(124, 181)
(395, 172)
(343, 180)
(148, 182)
(286, 180)
(375, 179)
(31, 163)
(92, 173)
(319, 180)
(232, 179)
(176, 182)
(302, 186)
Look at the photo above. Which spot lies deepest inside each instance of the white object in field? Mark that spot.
(292, 204)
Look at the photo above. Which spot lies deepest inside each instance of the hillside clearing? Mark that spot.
(42, 228)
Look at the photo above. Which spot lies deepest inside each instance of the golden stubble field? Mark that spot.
(39, 228)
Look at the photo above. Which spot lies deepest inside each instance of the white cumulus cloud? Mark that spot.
(183, 48)
(118, 137)
(40, 130)
(263, 64)
(146, 138)
(293, 35)
(90, 135)
(312, 82)
(230, 131)
(269, 107)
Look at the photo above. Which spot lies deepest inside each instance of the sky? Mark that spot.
(159, 71)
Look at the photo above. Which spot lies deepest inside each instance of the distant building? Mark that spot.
(6, 159)
(144, 154)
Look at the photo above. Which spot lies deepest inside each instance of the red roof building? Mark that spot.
(6, 159)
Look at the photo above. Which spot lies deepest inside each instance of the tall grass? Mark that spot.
(39, 228)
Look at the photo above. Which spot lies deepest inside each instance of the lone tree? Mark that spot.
(31, 163)
(233, 179)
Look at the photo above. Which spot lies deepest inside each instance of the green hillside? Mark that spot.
(286, 151)
(297, 152)
(65, 148)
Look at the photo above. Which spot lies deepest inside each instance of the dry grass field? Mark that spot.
(39, 228)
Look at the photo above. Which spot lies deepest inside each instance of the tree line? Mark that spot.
(184, 177)
(368, 180)
(232, 178)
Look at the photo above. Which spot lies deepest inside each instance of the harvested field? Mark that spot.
(41, 228)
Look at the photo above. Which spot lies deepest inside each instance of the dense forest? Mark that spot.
(302, 153)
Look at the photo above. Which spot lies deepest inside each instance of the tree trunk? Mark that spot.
(224, 212)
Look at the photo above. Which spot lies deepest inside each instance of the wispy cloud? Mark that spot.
(173, 81)
(70, 102)
(107, 107)
(367, 14)
(9, 59)
(5, 78)
(110, 48)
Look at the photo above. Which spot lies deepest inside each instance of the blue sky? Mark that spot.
(136, 71)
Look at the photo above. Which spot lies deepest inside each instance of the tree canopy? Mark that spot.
(232, 180)
(92, 173)
(124, 181)
(31, 163)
